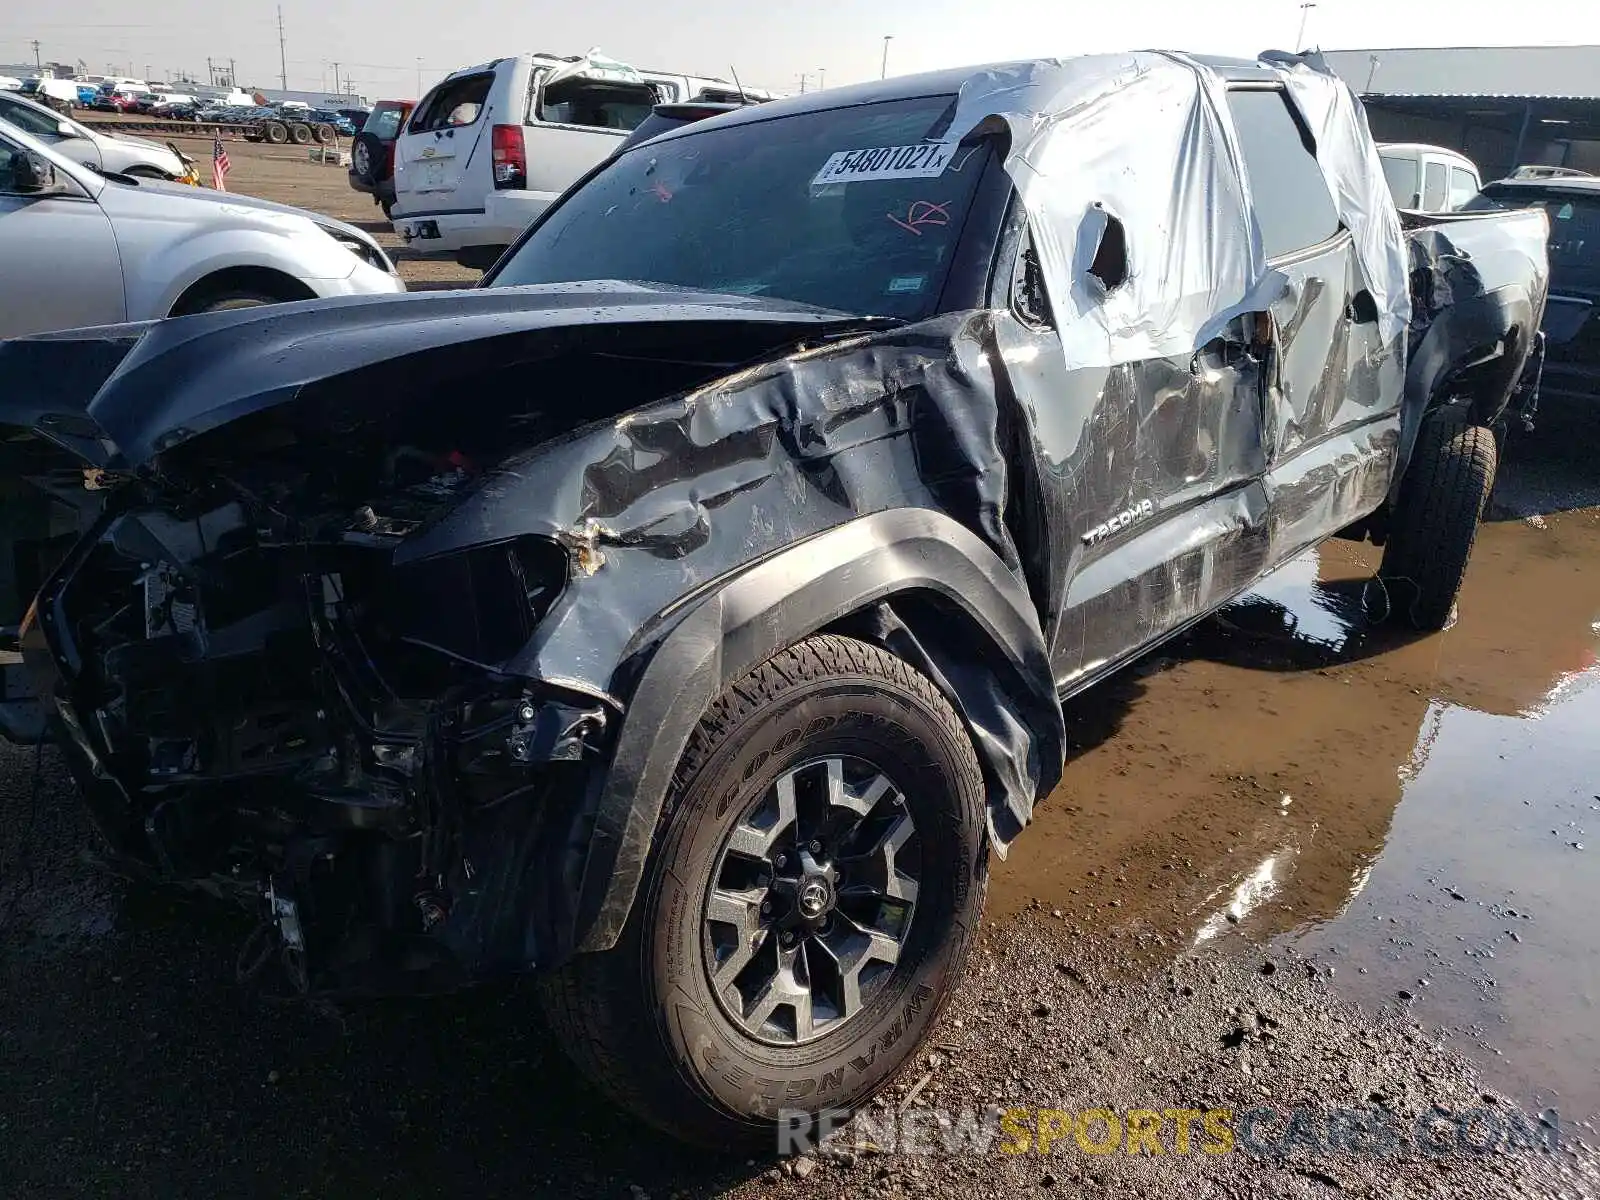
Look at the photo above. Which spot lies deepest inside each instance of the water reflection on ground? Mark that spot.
(1295, 770)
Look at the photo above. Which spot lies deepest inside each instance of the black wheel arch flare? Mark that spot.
(912, 580)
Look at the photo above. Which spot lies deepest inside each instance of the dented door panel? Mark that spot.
(1313, 348)
(1141, 474)
(1334, 399)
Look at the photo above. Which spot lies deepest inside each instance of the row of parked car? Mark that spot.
(300, 122)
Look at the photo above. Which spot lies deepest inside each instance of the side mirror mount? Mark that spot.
(31, 175)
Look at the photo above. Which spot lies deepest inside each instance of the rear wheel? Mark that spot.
(300, 134)
(325, 133)
(277, 133)
(817, 876)
(1441, 505)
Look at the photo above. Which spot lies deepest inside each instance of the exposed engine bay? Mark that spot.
(271, 709)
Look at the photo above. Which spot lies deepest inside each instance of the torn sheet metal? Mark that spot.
(146, 389)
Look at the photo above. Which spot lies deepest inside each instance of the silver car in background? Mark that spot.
(79, 248)
(104, 152)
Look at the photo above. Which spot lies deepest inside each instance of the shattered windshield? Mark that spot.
(848, 208)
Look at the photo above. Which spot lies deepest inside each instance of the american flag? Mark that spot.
(219, 165)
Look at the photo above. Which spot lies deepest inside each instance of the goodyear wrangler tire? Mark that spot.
(817, 876)
(1442, 502)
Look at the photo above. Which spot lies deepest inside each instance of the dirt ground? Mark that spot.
(1298, 863)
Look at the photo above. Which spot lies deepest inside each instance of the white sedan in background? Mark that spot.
(105, 151)
(79, 248)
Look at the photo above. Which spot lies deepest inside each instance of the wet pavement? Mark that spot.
(1420, 816)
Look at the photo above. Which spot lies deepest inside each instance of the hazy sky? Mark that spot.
(377, 42)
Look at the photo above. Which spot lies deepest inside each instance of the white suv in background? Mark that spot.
(490, 146)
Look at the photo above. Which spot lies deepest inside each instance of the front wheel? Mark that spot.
(223, 301)
(1441, 505)
(817, 876)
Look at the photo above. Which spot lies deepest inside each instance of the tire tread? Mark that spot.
(1442, 505)
(580, 999)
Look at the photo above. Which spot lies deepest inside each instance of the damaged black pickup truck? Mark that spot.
(683, 615)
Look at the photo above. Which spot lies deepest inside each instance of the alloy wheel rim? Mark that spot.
(811, 901)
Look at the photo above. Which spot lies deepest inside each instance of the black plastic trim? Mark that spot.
(769, 606)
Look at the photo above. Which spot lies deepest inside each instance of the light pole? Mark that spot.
(887, 39)
(822, 78)
(1300, 38)
(419, 78)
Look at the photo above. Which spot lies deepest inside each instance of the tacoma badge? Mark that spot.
(1122, 520)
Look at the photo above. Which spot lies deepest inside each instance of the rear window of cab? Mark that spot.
(384, 121)
(453, 104)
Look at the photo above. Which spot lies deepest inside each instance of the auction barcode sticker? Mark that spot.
(887, 162)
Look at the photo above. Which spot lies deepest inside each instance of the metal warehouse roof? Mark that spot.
(1477, 96)
(1501, 72)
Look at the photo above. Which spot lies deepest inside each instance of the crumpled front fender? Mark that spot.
(883, 572)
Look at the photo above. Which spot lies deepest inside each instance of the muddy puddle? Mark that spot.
(1401, 809)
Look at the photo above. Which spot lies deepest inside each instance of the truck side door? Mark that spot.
(1333, 411)
(1139, 484)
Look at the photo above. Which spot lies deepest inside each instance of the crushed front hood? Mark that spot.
(119, 395)
(48, 381)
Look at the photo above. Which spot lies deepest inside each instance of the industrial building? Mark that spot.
(1501, 106)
